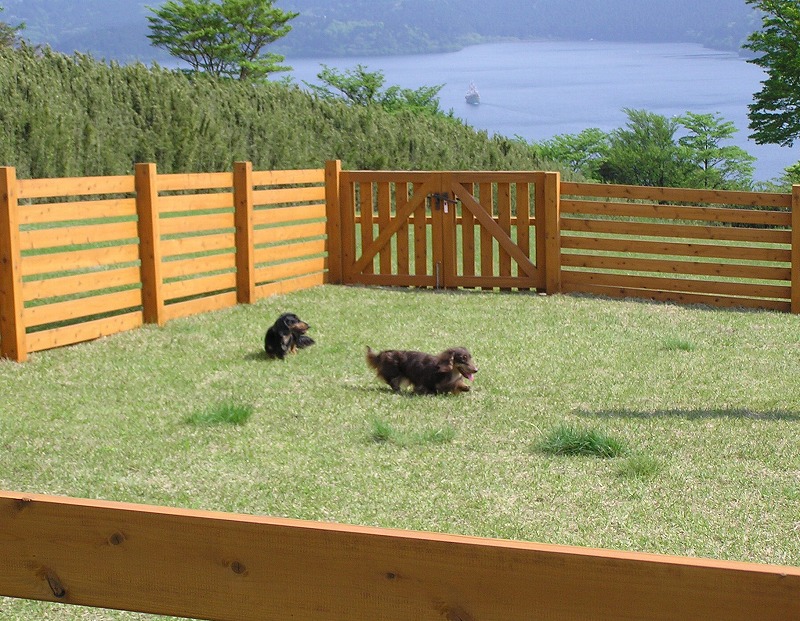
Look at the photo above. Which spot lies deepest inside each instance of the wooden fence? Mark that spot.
(529, 230)
(88, 257)
(84, 258)
(239, 568)
(689, 246)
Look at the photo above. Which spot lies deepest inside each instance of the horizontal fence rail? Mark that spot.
(88, 257)
(690, 246)
(528, 230)
(231, 567)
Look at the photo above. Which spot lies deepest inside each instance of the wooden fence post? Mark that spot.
(245, 246)
(795, 284)
(13, 342)
(551, 212)
(539, 211)
(333, 212)
(149, 243)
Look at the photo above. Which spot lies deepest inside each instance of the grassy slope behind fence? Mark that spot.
(240, 568)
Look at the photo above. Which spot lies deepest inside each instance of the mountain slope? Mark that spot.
(117, 29)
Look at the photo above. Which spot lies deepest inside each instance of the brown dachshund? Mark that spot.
(427, 374)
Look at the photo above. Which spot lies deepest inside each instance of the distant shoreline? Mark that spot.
(489, 40)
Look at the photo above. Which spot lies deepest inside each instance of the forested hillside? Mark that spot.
(109, 29)
(365, 26)
(75, 116)
(117, 29)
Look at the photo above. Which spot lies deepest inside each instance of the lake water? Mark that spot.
(537, 90)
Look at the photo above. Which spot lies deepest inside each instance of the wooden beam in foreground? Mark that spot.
(235, 567)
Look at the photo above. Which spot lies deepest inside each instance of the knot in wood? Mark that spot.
(55, 584)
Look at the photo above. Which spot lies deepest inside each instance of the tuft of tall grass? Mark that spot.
(221, 414)
(567, 439)
(384, 433)
(678, 344)
(638, 466)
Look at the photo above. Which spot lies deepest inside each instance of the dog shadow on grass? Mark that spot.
(379, 389)
(259, 356)
(692, 414)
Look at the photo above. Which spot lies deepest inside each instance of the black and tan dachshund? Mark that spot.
(286, 336)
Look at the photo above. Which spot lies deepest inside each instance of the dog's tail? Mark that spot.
(372, 358)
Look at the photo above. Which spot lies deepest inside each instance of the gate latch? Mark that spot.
(442, 200)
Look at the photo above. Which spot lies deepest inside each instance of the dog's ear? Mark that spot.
(446, 364)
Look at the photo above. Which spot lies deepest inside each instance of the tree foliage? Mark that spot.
(361, 87)
(717, 166)
(10, 35)
(224, 39)
(650, 151)
(645, 152)
(583, 152)
(775, 111)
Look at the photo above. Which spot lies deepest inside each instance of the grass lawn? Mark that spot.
(696, 414)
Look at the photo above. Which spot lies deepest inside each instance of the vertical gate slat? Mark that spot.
(420, 237)
(468, 240)
(448, 233)
(384, 209)
(437, 249)
(348, 219)
(487, 241)
(523, 219)
(401, 199)
(504, 220)
(365, 202)
(540, 220)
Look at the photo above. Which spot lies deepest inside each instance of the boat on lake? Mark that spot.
(473, 97)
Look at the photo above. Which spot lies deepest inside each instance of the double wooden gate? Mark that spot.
(445, 229)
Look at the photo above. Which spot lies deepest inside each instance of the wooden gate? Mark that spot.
(444, 229)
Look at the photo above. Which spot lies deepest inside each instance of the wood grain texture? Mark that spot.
(233, 567)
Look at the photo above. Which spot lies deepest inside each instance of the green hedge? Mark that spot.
(76, 116)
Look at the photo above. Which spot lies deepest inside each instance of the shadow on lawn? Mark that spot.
(689, 414)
